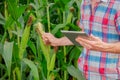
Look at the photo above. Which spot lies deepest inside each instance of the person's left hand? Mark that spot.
(93, 43)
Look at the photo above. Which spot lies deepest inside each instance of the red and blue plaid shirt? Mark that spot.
(105, 24)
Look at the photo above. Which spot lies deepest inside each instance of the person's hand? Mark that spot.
(93, 43)
(49, 39)
(78, 23)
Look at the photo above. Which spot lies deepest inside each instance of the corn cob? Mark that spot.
(39, 28)
(25, 38)
(45, 49)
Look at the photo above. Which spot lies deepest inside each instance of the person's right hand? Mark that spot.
(49, 39)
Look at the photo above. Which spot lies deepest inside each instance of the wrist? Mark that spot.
(64, 41)
(109, 47)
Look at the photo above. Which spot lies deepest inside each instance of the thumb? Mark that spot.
(94, 37)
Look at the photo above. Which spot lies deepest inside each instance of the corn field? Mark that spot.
(23, 55)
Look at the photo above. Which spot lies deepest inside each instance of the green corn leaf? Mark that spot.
(75, 72)
(1, 48)
(14, 9)
(15, 50)
(20, 11)
(65, 1)
(57, 27)
(33, 68)
(52, 62)
(69, 4)
(32, 46)
(69, 18)
(8, 22)
(17, 72)
(7, 55)
(2, 19)
(74, 27)
(74, 54)
(78, 2)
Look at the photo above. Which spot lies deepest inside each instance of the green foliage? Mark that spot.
(32, 46)
(2, 19)
(7, 56)
(57, 27)
(75, 72)
(8, 22)
(17, 72)
(23, 54)
(52, 62)
(33, 68)
(14, 9)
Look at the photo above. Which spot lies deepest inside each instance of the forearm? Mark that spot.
(113, 48)
(64, 41)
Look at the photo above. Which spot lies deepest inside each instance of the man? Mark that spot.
(100, 59)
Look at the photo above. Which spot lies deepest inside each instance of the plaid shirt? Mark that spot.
(105, 24)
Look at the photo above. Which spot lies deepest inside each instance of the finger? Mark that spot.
(82, 39)
(55, 48)
(47, 41)
(93, 45)
(44, 36)
(85, 45)
(85, 41)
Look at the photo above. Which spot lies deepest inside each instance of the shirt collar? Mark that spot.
(104, 0)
